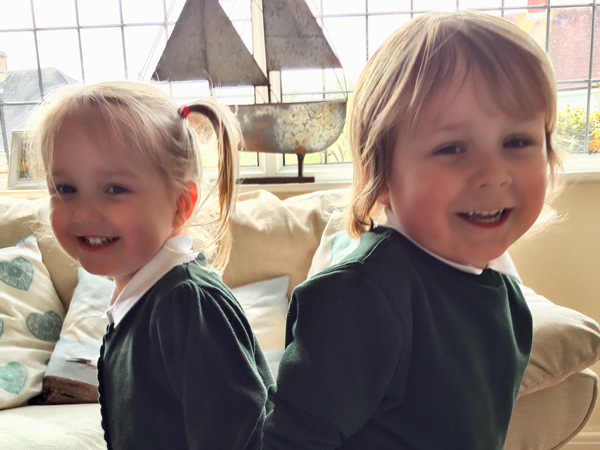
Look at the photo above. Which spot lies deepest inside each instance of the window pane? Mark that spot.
(141, 43)
(343, 6)
(571, 114)
(596, 66)
(382, 27)
(340, 152)
(440, 5)
(350, 47)
(388, 6)
(93, 12)
(522, 3)
(19, 47)
(531, 21)
(102, 54)
(15, 14)
(140, 11)
(478, 4)
(294, 81)
(570, 40)
(60, 50)
(55, 13)
(236, 9)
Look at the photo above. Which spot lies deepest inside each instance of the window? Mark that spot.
(48, 43)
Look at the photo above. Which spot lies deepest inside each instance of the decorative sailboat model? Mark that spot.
(205, 45)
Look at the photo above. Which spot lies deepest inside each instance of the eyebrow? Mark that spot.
(120, 173)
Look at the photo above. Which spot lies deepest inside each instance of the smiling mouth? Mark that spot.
(485, 217)
(96, 241)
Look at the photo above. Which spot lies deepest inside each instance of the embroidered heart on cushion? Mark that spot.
(13, 377)
(17, 273)
(45, 327)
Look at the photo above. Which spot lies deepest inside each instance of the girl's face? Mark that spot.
(471, 180)
(110, 209)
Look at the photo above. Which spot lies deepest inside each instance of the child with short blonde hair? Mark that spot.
(412, 341)
(179, 367)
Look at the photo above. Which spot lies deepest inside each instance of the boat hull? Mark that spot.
(300, 128)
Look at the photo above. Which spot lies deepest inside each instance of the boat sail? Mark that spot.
(205, 45)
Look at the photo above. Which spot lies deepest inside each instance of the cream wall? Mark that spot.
(563, 263)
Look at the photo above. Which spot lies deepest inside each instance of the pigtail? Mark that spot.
(229, 142)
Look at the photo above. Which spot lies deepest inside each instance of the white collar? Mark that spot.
(502, 264)
(175, 251)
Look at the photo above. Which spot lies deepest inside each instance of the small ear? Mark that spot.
(384, 195)
(186, 203)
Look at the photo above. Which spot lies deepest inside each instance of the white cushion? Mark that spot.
(265, 304)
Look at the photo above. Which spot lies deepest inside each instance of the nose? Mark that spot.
(491, 171)
(86, 212)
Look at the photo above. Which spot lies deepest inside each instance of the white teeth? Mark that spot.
(96, 241)
(485, 216)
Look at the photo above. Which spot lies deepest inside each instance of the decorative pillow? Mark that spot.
(71, 376)
(564, 342)
(31, 317)
(272, 238)
(265, 304)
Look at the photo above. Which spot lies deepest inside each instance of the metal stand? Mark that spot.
(282, 180)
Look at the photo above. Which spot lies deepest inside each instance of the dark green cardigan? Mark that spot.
(183, 369)
(394, 349)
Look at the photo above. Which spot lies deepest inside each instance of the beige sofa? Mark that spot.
(274, 238)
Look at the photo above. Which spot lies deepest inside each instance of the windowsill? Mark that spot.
(573, 176)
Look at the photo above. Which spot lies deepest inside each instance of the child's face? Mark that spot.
(110, 210)
(471, 180)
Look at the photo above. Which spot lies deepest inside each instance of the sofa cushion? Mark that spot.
(265, 304)
(31, 316)
(71, 376)
(273, 238)
(20, 218)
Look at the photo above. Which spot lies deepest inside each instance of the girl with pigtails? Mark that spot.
(179, 366)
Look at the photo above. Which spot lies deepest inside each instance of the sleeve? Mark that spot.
(344, 342)
(208, 351)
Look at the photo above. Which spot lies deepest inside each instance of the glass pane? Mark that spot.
(143, 11)
(102, 54)
(382, 27)
(93, 12)
(16, 118)
(571, 114)
(60, 50)
(339, 152)
(140, 45)
(350, 47)
(55, 13)
(596, 66)
(523, 3)
(440, 5)
(294, 81)
(19, 47)
(15, 14)
(530, 20)
(387, 6)
(570, 41)
(236, 9)
(248, 159)
(343, 6)
(244, 29)
(479, 4)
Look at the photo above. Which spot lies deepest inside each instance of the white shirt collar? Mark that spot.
(503, 263)
(175, 251)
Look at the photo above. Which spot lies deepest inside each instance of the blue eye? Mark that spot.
(63, 189)
(449, 150)
(517, 143)
(116, 190)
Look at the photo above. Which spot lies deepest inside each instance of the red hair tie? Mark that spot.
(183, 111)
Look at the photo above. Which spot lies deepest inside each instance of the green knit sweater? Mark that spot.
(394, 349)
(183, 369)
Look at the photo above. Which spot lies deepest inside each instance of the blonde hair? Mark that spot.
(416, 61)
(147, 121)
